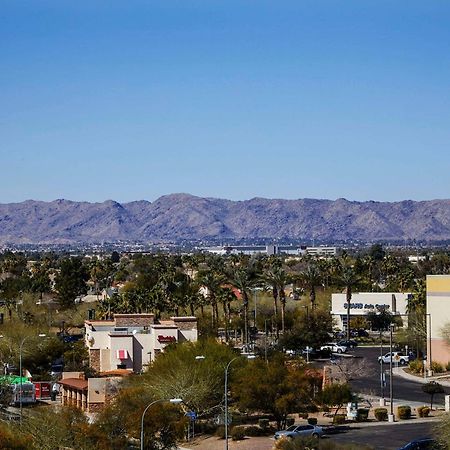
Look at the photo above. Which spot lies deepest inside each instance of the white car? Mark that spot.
(334, 347)
(397, 358)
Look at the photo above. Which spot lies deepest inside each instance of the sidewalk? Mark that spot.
(400, 372)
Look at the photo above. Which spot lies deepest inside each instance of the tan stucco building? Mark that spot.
(438, 315)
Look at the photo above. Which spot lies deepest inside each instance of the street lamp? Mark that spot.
(391, 386)
(226, 396)
(20, 369)
(170, 400)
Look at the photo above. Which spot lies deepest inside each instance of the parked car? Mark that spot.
(397, 358)
(423, 444)
(349, 344)
(334, 347)
(300, 430)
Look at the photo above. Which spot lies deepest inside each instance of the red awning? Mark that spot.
(122, 354)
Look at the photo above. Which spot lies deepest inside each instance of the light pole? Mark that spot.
(391, 386)
(382, 376)
(170, 400)
(226, 396)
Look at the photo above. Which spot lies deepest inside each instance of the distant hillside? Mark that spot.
(186, 217)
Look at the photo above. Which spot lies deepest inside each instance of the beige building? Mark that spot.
(132, 341)
(438, 315)
(364, 302)
(90, 394)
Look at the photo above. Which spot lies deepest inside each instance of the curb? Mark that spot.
(400, 372)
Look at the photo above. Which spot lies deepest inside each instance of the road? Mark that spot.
(385, 437)
(369, 382)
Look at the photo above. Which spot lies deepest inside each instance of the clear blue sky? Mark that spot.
(134, 99)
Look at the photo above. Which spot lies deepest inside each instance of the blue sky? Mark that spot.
(135, 99)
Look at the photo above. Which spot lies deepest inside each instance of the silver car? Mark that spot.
(300, 430)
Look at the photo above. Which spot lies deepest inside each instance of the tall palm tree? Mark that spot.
(243, 277)
(311, 277)
(213, 281)
(349, 279)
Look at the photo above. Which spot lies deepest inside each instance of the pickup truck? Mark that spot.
(397, 358)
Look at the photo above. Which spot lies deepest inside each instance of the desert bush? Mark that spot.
(312, 420)
(416, 366)
(263, 423)
(447, 367)
(437, 367)
(206, 427)
(362, 414)
(237, 433)
(404, 412)
(253, 431)
(423, 411)
(220, 432)
(339, 419)
(290, 421)
(381, 414)
(303, 415)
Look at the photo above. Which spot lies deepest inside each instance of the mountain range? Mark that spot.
(181, 217)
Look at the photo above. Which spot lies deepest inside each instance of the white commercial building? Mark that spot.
(132, 341)
(365, 302)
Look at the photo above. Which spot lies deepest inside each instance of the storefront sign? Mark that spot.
(166, 339)
(366, 306)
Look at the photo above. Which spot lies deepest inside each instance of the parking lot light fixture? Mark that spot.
(174, 401)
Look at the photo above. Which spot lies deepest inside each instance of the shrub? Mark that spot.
(253, 431)
(362, 414)
(312, 420)
(290, 421)
(416, 366)
(263, 423)
(339, 419)
(423, 411)
(206, 427)
(404, 412)
(447, 367)
(437, 367)
(237, 434)
(220, 432)
(381, 414)
(303, 415)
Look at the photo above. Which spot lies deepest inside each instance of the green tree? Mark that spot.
(71, 280)
(432, 388)
(274, 388)
(336, 395)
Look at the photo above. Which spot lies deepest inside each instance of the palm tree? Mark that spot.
(348, 278)
(311, 278)
(212, 281)
(243, 278)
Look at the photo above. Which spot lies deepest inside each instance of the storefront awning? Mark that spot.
(122, 354)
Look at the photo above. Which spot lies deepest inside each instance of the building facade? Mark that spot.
(364, 302)
(438, 316)
(132, 341)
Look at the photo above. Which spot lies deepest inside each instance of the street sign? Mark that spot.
(191, 414)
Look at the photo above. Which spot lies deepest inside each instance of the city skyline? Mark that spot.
(238, 100)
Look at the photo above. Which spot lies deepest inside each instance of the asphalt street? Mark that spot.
(385, 437)
(369, 381)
